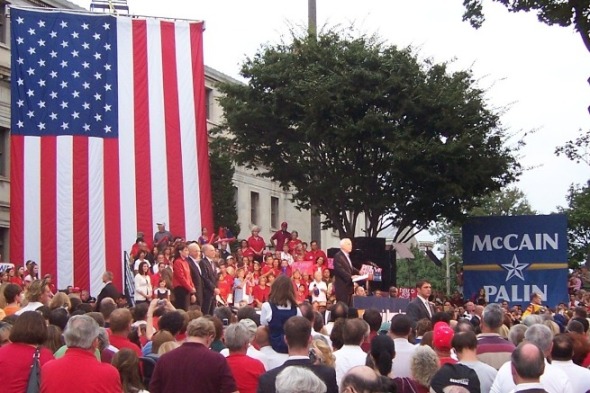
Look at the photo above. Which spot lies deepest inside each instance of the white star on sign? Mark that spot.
(514, 269)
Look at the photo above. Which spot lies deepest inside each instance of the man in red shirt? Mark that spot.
(246, 370)
(281, 237)
(78, 370)
(120, 326)
(313, 254)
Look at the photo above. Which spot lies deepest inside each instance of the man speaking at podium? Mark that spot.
(344, 272)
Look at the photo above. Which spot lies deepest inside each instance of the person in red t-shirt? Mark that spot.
(225, 282)
(256, 243)
(294, 241)
(120, 325)
(314, 253)
(260, 292)
(29, 331)
(281, 237)
(246, 370)
(268, 267)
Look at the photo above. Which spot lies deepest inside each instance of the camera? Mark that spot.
(161, 302)
(225, 322)
(312, 356)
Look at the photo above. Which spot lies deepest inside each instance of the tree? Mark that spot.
(574, 13)
(578, 218)
(509, 201)
(411, 270)
(354, 126)
(578, 150)
(222, 172)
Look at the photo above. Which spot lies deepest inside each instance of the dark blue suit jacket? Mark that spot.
(266, 383)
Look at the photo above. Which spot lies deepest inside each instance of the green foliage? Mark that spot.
(355, 126)
(222, 171)
(578, 217)
(510, 201)
(574, 13)
(576, 150)
(410, 271)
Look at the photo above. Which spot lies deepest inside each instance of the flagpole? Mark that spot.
(86, 12)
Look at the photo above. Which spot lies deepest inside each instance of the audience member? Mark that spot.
(491, 348)
(38, 295)
(373, 318)
(465, 346)
(193, 366)
(423, 366)
(298, 336)
(381, 355)
(127, 363)
(245, 369)
(562, 352)
(28, 333)
(262, 341)
(528, 365)
(363, 379)
(81, 337)
(281, 306)
(120, 327)
(351, 353)
(553, 379)
(442, 336)
(456, 378)
(400, 329)
(298, 380)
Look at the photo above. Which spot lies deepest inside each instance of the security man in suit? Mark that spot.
(420, 307)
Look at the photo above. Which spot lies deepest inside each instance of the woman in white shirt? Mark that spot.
(318, 288)
(143, 284)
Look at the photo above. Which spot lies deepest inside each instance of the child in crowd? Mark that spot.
(162, 292)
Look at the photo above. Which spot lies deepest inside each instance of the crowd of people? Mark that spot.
(198, 325)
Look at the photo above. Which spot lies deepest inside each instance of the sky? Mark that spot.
(536, 75)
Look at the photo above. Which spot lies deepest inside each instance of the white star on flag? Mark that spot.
(514, 268)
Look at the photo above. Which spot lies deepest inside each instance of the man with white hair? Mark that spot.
(245, 369)
(299, 380)
(553, 379)
(345, 272)
(81, 337)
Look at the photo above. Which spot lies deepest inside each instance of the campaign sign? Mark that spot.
(513, 257)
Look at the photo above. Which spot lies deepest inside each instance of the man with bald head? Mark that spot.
(528, 364)
(344, 272)
(209, 279)
(552, 378)
(363, 379)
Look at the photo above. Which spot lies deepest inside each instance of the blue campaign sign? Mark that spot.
(513, 257)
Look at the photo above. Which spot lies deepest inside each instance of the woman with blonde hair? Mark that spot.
(323, 353)
(60, 299)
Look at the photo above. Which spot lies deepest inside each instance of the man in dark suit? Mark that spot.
(420, 307)
(194, 257)
(528, 364)
(209, 279)
(109, 290)
(298, 336)
(344, 272)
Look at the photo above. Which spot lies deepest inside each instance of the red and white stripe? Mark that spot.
(77, 203)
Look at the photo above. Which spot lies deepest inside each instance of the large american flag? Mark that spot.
(108, 138)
